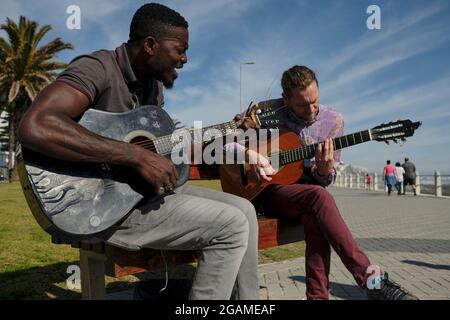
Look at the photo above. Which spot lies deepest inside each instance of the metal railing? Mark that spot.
(425, 184)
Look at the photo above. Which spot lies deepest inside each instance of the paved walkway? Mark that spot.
(405, 235)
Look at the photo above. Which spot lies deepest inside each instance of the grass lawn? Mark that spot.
(31, 267)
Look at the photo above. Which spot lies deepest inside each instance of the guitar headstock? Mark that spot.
(265, 118)
(395, 130)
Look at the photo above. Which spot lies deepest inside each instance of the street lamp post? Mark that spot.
(240, 83)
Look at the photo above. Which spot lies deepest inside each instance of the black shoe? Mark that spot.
(389, 290)
(151, 289)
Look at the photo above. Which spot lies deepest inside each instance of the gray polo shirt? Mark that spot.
(107, 79)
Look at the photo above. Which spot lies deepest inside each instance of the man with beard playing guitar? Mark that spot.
(222, 227)
(300, 111)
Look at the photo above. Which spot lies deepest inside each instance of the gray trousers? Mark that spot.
(222, 226)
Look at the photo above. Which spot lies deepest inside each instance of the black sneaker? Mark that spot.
(151, 289)
(389, 291)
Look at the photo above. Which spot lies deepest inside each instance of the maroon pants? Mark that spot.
(323, 226)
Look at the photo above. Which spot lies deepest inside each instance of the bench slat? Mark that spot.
(204, 172)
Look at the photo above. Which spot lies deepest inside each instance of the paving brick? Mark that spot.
(274, 291)
(390, 232)
(408, 237)
(271, 278)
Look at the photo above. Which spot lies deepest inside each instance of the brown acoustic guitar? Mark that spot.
(241, 180)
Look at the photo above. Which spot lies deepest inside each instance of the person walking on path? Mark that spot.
(399, 172)
(368, 178)
(389, 175)
(410, 175)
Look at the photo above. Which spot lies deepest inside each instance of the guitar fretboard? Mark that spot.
(309, 151)
(165, 144)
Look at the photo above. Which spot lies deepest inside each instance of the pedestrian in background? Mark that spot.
(389, 176)
(399, 172)
(410, 175)
(368, 178)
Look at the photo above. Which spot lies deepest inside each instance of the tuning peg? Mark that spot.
(387, 142)
(395, 140)
(403, 139)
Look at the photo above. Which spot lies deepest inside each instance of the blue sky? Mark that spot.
(370, 76)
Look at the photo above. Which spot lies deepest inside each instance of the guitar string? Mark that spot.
(167, 138)
(166, 141)
(289, 155)
(296, 154)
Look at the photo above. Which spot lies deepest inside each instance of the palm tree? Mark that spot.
(178, 124)
(25, 69)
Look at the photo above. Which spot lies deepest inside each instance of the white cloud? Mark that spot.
(12, 9)
(391, 52)
(344, 102)
(418, 101)
(370, 39)
(205, 16)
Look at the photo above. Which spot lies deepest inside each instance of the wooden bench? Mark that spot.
(100, 259)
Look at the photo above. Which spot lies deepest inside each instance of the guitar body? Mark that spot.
(230, 174)
(78, 200)
(244, 182)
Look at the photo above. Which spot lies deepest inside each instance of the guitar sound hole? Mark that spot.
(144, 142)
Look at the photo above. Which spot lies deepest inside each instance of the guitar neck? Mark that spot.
(165, 144)
(309, 151)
